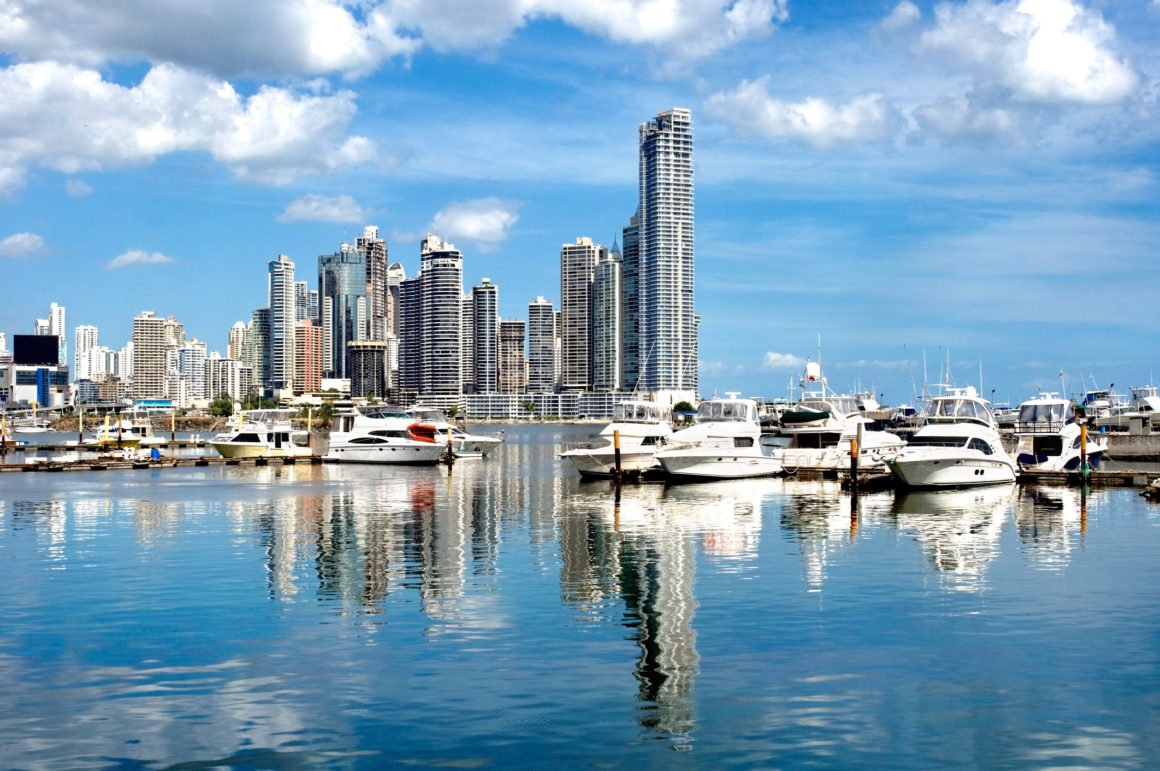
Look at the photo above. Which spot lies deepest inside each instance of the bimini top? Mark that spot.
(638, 412)
(959, 405)
(727, 410)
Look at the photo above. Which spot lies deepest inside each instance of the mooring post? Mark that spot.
(1083, 461)
(616, 455)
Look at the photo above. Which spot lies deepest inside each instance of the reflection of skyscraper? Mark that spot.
(668, 326)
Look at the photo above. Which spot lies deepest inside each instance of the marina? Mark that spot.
(502, 611)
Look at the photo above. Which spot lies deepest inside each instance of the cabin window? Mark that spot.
(368, 440)
(743, 441)
(246, 438)
(1048, 445)
(980, 445)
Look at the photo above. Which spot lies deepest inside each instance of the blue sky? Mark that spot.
(965, 181)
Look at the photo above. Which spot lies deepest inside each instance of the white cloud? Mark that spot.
(77, 189)
(773, 360)
(1039, 51)
(257, 37)
(138, 257)
(753, 112)
(70, 119)
(483, 220)
(904, 15)
(21, 245)
(320, 208)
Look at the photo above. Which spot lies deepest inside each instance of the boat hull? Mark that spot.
(240, 450)
(416, 453)
(717, 463)
(949, 471)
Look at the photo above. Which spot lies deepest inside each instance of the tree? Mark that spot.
(529, 406)
(452, 411)
(222, 406)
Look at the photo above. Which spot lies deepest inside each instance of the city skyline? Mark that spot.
(902, 180)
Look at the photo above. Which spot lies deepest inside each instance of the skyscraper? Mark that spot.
(283, 322)
(513, 367)
(577, 262)
(342, 288)
(630, 306)
(374, 250)
(606, 323)
(149, 356)
(668, 323)
(85, 346)
(485, 337)
(440, 325)
(541, 347)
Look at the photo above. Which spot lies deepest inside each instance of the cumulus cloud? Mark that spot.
(312, 37)
(773, 360)
(904, 15)
(77, 189)
(254, 38)
(754, 113)
(320, 208)
(71, 119)
(1039, 51)
(135, 257)
(21, 245)
(483, 220)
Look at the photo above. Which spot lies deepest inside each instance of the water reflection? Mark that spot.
(814, 515)
(1047, 519)
(959, 530)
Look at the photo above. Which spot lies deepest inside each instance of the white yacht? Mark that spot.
(126, 429)
(1049, 439)
(430, 423)
(379, 436)
(958, 445)
(1143, 411)
(262, 434)
(816, 434)
(724, 443)
(644, 428)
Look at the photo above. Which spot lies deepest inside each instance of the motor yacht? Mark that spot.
(724, 443)
(262, 434)
(1142, 412)
(126, 429)
(1049, 439)
(957, 446)
(379, 436)
(643, 428)
(432, 425)
(817, 433)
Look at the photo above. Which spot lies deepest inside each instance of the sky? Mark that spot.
(897, 188)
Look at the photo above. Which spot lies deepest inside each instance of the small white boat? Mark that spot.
(724, 443)
(1049, 439)
(959, 446)
(379, 436)
(433, 424)
(126, 429)
(643, 427)
(262, 434)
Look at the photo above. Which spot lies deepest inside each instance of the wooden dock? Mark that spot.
(120, 464)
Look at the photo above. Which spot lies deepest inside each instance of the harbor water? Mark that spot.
(504, 613)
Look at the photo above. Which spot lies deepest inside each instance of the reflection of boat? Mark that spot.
(1048, 438)
(959, 529)
(724, 443)
(262, 434)
(433, 424)
(379, 436)
(1045, 519)
(643, 428)
(959, 445)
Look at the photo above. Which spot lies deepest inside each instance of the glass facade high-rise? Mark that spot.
(374, 250)
(513, 367)
(668, 322)
(441, 322)
(630, 306)
(342, 287)
(485, 337)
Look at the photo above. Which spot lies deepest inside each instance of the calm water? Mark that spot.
(507, 614)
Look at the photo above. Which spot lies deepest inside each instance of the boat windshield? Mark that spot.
(723, 411)
(845, 405)
(952, 409)
(633, 412)
(1053, 413)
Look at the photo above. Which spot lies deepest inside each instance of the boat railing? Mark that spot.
(1039, 426)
